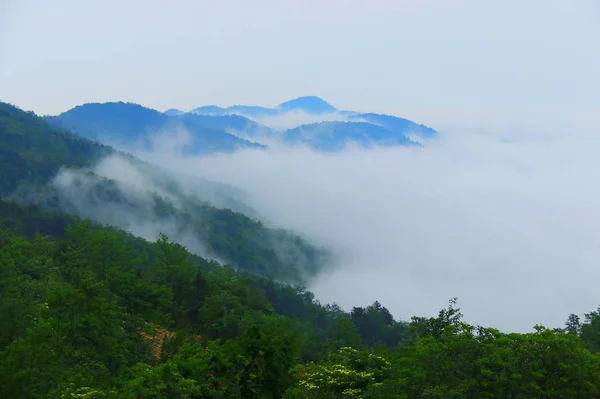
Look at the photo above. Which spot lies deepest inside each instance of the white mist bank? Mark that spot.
(133, 211)
(506, 222)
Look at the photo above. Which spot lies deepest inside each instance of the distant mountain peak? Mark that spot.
(310, 104)
(208, 110)
(174, 112)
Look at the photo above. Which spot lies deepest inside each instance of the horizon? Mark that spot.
(441, 57)
(223, 106)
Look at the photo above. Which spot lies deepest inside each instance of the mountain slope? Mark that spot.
(148, 319)
(333, 136)
(31, 150)
(396, 125)
(236, 124)
(62, 172)
(309, 104)
(173, 112)
(246, 110)
(347, 127)
(127, 124)
(91, 312)
(216, 129)
(209, 110)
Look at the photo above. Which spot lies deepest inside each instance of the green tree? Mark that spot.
(345, 373)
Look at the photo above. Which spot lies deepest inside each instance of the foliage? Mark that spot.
(33, 151)
(93, 312)
(90, 311)
(345, 373)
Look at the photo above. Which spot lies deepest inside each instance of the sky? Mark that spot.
(409, 57)
(501, 211)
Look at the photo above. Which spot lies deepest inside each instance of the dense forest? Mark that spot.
(93, 311)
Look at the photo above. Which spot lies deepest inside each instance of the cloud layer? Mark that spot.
(128, 204)
(506, 221)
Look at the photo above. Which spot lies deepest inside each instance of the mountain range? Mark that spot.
(119, 311)
(128, 124)
(60, 171)
(212, 128)
(72, 163)
(308, 104)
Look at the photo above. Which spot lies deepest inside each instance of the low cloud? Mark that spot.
(146, 200)
(505, 220)
(124, 205)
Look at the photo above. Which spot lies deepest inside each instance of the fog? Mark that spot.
(505, 220)
(128, 207)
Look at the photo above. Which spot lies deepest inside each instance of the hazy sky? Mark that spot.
(396, 56)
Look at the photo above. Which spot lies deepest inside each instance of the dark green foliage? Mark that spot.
(85, 312)
(94, 312)
(589, 330)
(376, 324)
(251, 246)
(32, 151)
(30, 220)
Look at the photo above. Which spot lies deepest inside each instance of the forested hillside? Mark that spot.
(94, 311)
(89, 311)
(33, 153)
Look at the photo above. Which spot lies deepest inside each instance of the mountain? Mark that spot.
(333, 136)
(92, 311)
(362, 129)
(61, 172)
(309, 104)
(173, 112)
(245, 110)
(209, 110)
(215, 129)
(89, 311)
(396, 125)
(251, 110)
(233, 124)
(32, 151)
(130, 124)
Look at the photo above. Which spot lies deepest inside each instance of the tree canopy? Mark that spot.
(90, 311)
